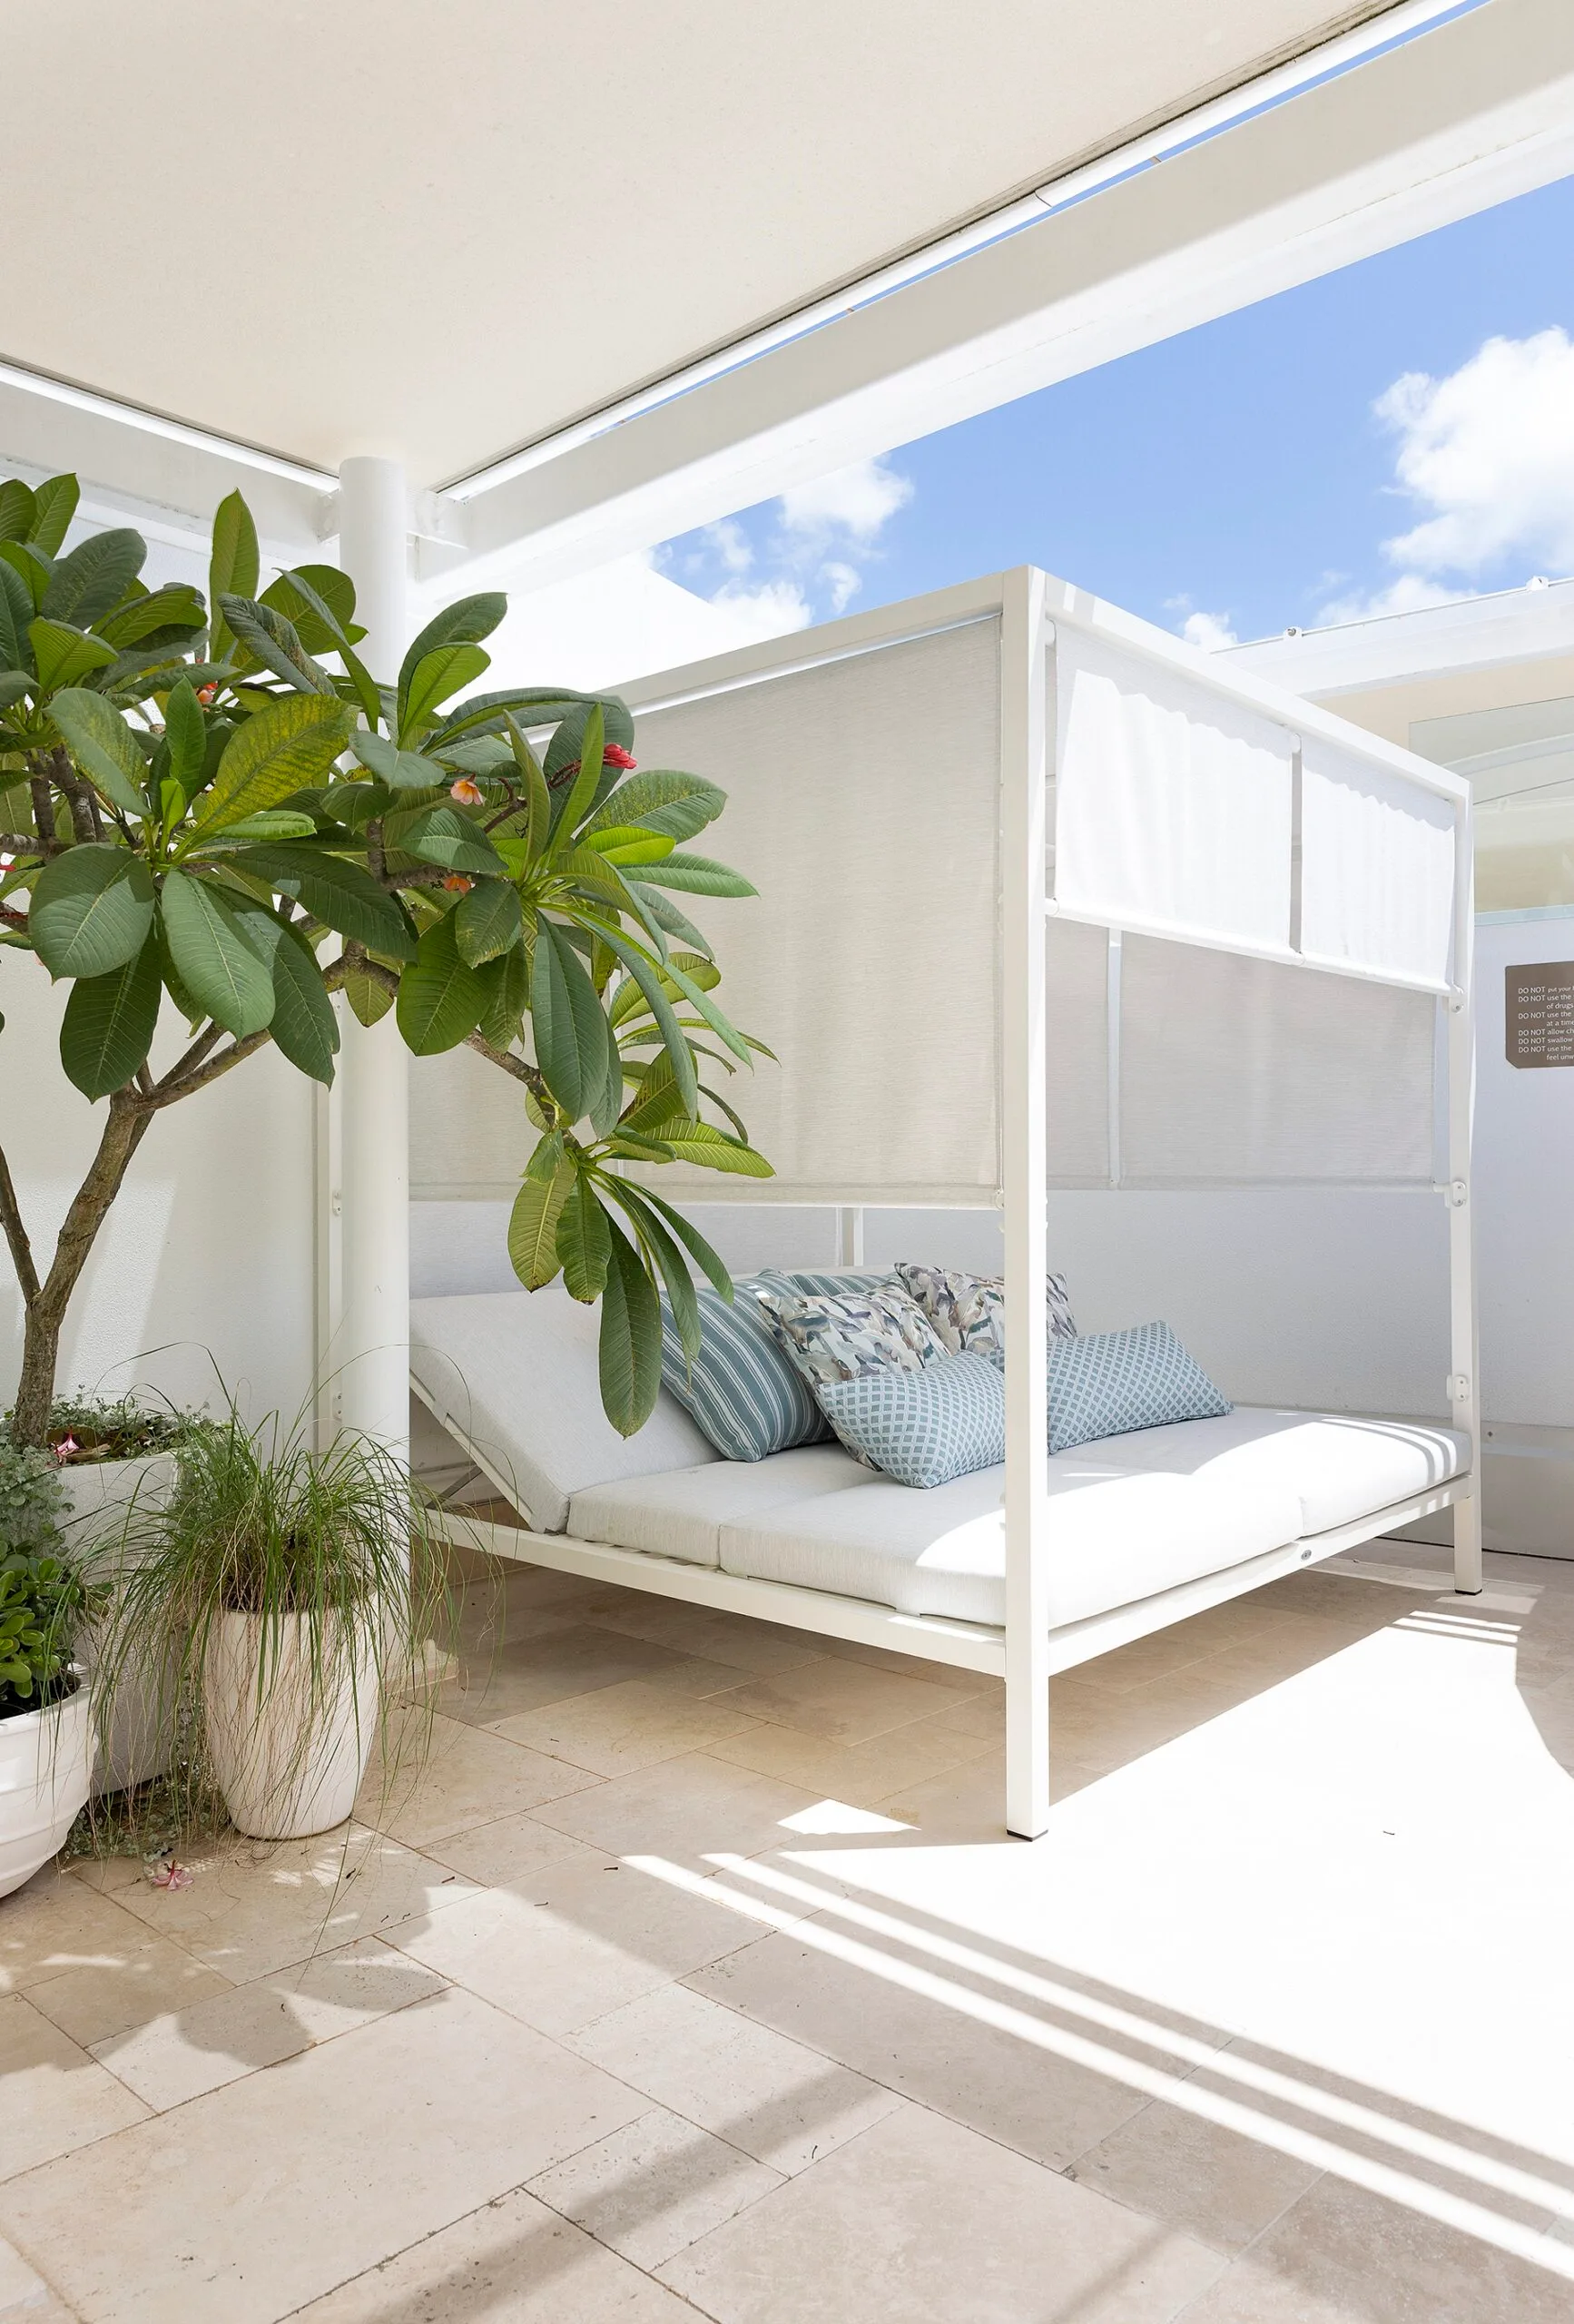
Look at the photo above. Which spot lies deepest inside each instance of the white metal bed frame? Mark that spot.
(1026, 1652)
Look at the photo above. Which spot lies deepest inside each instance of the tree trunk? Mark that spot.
(45, 1311)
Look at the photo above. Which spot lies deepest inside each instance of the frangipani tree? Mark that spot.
(198, 814)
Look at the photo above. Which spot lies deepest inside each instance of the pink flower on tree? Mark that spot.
(468, 793)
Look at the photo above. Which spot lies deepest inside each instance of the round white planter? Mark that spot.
(45, 1762)
(286, 1769)
(138, 1740)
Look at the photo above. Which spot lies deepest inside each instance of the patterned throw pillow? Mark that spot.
(1110, 1384)
(969, 1311)
(833, 1282)
(923, 1428)
(838, 1336)
(740, 1390)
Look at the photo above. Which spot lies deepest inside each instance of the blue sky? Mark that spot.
(1394, 434)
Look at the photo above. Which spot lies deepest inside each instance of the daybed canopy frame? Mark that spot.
(1141, 796)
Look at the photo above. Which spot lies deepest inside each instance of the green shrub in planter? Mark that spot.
(42, 1602)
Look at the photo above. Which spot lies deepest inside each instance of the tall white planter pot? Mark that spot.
(139, 1724)
(286, 1768)
(45, 1759)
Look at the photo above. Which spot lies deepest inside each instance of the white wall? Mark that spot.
(209, 1247)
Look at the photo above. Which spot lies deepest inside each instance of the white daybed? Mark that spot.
(1047, 900)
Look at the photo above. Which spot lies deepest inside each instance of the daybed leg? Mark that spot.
(1468, 1546)
(1027, 1752)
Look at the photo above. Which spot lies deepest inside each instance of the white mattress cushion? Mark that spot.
(1341, 1466)
(681, 1514)
(514, 1374)
(1116, 1534)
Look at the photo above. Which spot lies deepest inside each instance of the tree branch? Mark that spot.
(521, 1069)
(18, 844)
(171, 1088)
(16, 1235)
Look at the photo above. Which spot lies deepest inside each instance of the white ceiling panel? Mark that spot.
(441, 232)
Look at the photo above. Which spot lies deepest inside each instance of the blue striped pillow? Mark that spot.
(741, 1391)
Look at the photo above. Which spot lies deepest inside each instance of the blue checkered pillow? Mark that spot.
(741, 1391)
(923, 1428)
(1108, 1383)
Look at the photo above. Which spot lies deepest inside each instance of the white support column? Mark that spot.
(849, 1236)
(1465, 1354)
(371, 1359)
(1024, 811)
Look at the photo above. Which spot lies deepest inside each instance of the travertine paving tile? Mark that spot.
(619, 1728)
(684, 1807)
(514, 2262)
(55, 2096)
(1222, 2188)
(517, 1852)
(550, 1667)
(654, 2187)
(244, 2205)
(1049, 2108)
(846, 1702)
(190, 2050)
(950, 1675)
(598, 1939)
(861, 1773)
(703, 1631)
(968, 1802)
(472, 1777)
(920, 2221)
(59, 1923)
(1343, 2256)
(128, 1982)
(251, 1909)
(777, 2101)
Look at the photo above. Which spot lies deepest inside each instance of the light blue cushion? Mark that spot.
(923, 1428)
(741, 1391)
(830, 1282)
(1108, 1383)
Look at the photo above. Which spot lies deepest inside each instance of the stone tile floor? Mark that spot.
(695, 1976)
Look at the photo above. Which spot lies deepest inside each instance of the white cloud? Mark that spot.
(843, 581)
(731, 542)
(770, 609)
(1490, 451)
(857, 502)
(1212, 632)
(1409, 594)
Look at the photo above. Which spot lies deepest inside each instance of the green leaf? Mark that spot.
(441, 996)
(623, 844)
(532, 1226)
(401, 770)
(660, 799)
(488, 921)
(444, 834)
(669, 1258)
(369, 999)
(722, 1027)
(102, 745)
(269, 824)
(187, 737)
(509, 981)
(713, 1150)
(15, 510)
(630, 1350)
(701, 876)
(567, 1016)
(213, 957)
(163, 617)
(95, 576)
(33, 570)
(234, 566)
(693, 1242)
(538, 820)
(108, 1027)
(63, 656)
(341, 894)
(667, 916)
(287, 746)
(649, 980)
(584, 1241)
(15, 613)
(567, 744)
(435, 677)
(582, 791)
(91, 911)
(54, 506)
(275, 644)
(303, 1024)
(464, 624)
(321, 601)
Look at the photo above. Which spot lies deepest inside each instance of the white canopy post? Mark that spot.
(1024, 835)
(371, 1354)
(1465, 1356)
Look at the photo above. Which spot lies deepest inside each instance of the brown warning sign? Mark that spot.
(1539, 1013)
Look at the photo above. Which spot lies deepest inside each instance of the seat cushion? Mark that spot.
(514, 1375)
(1116, 1534)
(1339, 1465)
(681, 1514)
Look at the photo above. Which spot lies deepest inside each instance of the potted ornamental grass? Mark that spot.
(45, 1730)
(287, 1595)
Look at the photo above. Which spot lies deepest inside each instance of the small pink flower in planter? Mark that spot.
(468, 793)
(65, 1448)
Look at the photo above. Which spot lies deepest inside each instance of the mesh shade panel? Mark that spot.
(470, 1137)
(1377, 867)
(1076, 1053)
(1172, 807)
(1237, 1069)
